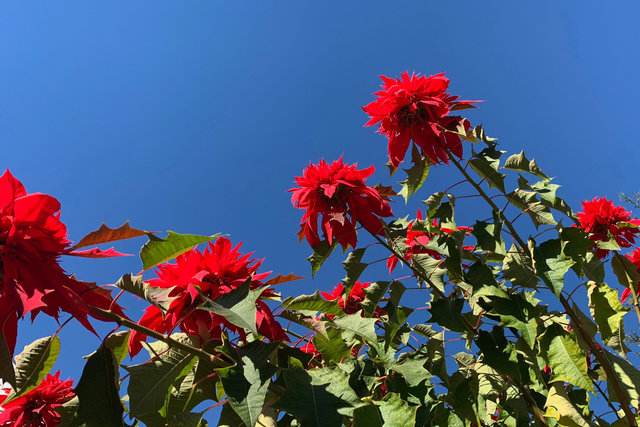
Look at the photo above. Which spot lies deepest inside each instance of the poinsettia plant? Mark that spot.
(475, 324)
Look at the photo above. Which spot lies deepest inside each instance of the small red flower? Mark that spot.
(32, 238)
(354, 300)
(37, 407)
(217, 271)
(602, 220)
(634, 257)
(416, 108)
(339, 197)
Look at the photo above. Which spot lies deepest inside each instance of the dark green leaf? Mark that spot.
(396, 412)
(367, 416)
(246, 383)
(486, 164)
(35, 361)
(237, 306)
(153, 295)
(448, 314)
(551, 264)
(361, 326)
(6, 363)
(98, 391)
(321, 252)
(626, 272)
(430, 269)
(527, 202)
(331, 346)
(313, 303)
(416, 175)
(433, 202)
(489, 237)
(374, 294)
(118, 342)
(312, 400)
(498, 353)
(629, 379)
(518, 268)
(158, 250)
(354, 268)
(517, 312)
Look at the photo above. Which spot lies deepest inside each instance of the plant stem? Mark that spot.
(214, 359)
(534, 407)
(600, 357)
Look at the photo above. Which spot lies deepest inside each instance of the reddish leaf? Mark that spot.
(283, 279)
(97, 253)
(105, 234)
(385, 192)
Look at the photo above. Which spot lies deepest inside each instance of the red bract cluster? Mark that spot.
(602, 220)
(354, 299)
(32, 237)
(339, 197)
(416, 108)
(634, 257)
(217, 271)
(37, 407)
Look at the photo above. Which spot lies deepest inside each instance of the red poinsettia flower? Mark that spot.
(32, 238)
(217, 271)
(602, 220)
(338, 195)
(354, 300)
(634, 257)
(37, 407)
(417, 240)
(416, 108)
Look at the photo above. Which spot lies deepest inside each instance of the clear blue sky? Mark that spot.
(195, 116)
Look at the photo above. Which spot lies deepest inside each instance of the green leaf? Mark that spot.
(318, 400)
(354, 268)
(498, 353)
(528, 203)
(489, 237)
(367, 416)
(246, 383)
(187, 419)
(6, 363)
(118, 342)
(359, 325)
(321, 252)
(430, 268)
(518, 268)
(374, 294)
(150, 382)
(158, 250)
(629, 379)
(412, 368)
(331, 346)
(237, 306)
(605, 309)
(396, 412)
(153, 295)
(517, 312)
(486, 164)
(67, 412)
(563, 354)
(433, 202)
(519, 162)
(228, 417)
(551, 264)
(593, 268)
(416, 175)
(626, 272)
(313, 303)
(560, 407)
(98, 391)
(33, 364)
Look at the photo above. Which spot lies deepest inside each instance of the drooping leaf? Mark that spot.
(228, 417)
(396, 412)
(283, 279)
(563, 354)
(626, 272)
(331, 346)
(313, 401)
(516, 312)
(560, 407)
(68, 412)
(416, 174)
(486, 164)
(33, 364)
(321, 252)
(153, 295)
(367, 416)
(354, 267)
(628, 378)
(519, 162)
(359, 325)
(605, 308)
(105, 234)
(430, 270)
(6, 363)
(313, 303)
(98, 391)
(518, 268)
(448, 313)
(150, 382)
(237, 306)
(528, 203)
(489, 238)
(412, 368)
(374, 294)
(498, 352)
(246, 383)
(158, 250)
(118, 342)
(551, 264)
(433, 202)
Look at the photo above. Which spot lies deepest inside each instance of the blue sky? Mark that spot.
(195, 116)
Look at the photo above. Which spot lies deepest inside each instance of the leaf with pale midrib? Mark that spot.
(158, 250)
(35, 361)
